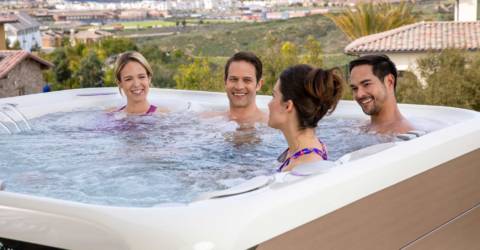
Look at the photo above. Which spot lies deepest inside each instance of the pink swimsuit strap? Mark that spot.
(150, 110)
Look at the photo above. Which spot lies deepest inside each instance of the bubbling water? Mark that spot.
(95, 157)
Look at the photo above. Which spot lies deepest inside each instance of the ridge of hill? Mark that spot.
(224, 39)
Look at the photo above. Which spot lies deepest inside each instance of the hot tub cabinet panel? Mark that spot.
(437, 209)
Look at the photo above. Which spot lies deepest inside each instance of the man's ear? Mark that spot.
(389, 81)
(259, 85)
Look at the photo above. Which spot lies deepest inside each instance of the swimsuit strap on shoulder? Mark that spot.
(305, 151)
(151, 109)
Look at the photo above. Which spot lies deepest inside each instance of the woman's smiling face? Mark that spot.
(135, 81)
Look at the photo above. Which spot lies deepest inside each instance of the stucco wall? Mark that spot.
(408, 62)
(466, 10)
(26, 76)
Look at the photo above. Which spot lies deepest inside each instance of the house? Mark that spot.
(26, 31)
(84, 16)
(404, 45)
(52, 39)
(4, 19)
(90, 36)
(21, 73)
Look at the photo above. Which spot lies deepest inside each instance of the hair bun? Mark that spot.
(326, 87)
(314, 92)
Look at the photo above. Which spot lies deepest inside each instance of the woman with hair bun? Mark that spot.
(301, 97)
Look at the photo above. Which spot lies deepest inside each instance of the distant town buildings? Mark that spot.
(5, 18)
(26, 31)
(90, 36)
(21, 73)
(52, 39)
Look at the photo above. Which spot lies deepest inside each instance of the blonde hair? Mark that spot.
(127, 57)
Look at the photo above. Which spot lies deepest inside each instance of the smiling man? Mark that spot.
(373, 80)
(243, 78)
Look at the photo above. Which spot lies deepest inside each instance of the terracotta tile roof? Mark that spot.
(10, 58)
(92, 34)
(420, 37)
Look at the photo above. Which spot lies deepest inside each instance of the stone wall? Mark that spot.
(25, 78)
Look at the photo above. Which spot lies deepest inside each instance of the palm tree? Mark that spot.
(370, 18)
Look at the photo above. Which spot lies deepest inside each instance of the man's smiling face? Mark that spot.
(241, 84)
(369, 91)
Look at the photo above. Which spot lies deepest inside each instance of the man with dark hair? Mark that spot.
(373, 80)
(243, 78)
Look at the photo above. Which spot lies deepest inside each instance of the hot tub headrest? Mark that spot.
(370, 150)
(411, 135)
(248, 186)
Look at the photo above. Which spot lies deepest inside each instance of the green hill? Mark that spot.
(223, 40)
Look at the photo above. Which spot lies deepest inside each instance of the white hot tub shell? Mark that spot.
(267, 208)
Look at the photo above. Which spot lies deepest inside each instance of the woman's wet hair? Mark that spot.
(130, 56)
(314, 92)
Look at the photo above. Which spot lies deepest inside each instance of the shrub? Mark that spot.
(452, 79)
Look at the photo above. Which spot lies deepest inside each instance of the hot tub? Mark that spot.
(415, 193)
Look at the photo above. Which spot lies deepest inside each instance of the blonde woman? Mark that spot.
(133, 75)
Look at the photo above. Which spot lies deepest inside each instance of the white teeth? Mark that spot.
(138, 91)
(366, 100)
(239, 94)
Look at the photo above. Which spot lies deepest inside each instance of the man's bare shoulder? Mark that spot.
(212, 114)
(398, 127)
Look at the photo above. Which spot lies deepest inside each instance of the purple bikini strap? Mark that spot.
(150, 110)
(305, 151)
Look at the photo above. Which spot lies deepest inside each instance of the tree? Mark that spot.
(277, 57)
(62, 72)
(113, 46)
(16, 45)
(313, 54)
(370, 18)
(90, 73)
(7, 42)
(199, 75)
(36, 47)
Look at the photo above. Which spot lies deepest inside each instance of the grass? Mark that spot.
(142, 24)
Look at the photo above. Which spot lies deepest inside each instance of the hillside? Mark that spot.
(222, 40)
